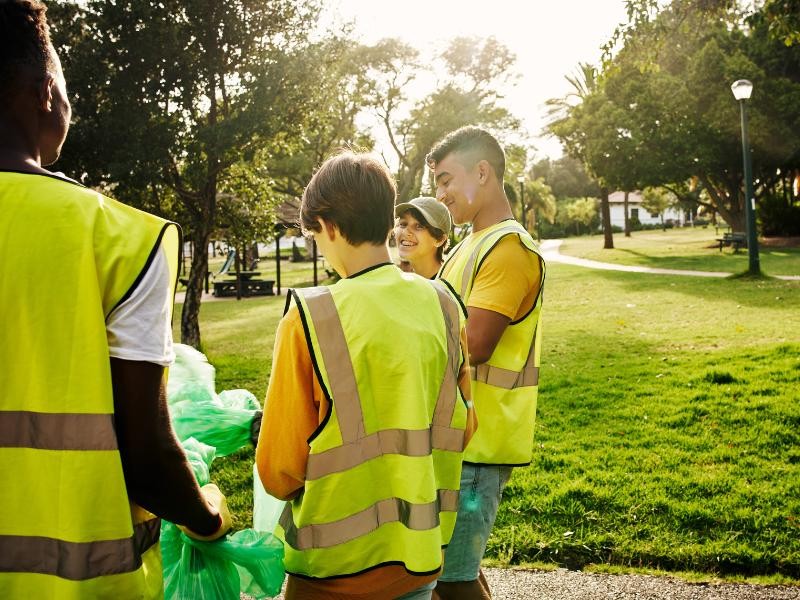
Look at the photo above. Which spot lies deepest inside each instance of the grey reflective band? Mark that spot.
(338, 364)
(510, 380)
(77, 561)
(467, 274)
(419, 517)
(503, 378)
(57, 431)
(446, 403)
(389, 441)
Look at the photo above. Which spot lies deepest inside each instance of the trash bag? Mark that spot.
(225, 428)
(266, 509)
(211, 425)
(191, 377)
(246, 561)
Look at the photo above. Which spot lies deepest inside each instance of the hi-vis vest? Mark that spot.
(384, 467)
(504, 388)
(68, 257)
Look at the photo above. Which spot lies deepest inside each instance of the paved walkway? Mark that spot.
(551, 252)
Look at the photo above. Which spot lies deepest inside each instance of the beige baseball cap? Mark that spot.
(433, 211)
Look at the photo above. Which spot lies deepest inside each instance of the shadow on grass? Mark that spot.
(744, 289)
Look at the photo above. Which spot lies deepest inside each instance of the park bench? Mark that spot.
(735, 239)
(250, 286)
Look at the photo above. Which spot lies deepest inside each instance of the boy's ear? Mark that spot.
(483, 171)
(329, 228)
(45, 94)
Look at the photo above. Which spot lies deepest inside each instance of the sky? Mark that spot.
(549, 37)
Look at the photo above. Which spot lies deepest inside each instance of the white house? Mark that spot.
(616, 202)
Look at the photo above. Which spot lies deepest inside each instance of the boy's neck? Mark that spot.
(355, 259)
(428, 267)
(494, 209)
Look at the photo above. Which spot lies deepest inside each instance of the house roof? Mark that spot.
(619, 198)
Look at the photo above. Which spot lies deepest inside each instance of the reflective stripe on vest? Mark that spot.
(77, 560)
(53, 431)
(505, 387)
(391, 510)
(323, 540)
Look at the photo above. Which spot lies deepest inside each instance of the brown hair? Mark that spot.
(24, 42)
(356, 193)
(473, 145)
(435, 232)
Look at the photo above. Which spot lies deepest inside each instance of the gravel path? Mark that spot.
(561, 584)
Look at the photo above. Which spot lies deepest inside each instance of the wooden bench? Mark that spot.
(735, 239)
(250, 287)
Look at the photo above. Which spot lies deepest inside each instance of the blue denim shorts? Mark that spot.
(481, 490)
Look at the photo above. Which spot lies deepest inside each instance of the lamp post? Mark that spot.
(742, 89)
(521, 181)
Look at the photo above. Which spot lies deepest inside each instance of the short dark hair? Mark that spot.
(24, 42)
(356, 193)
(472, 144)
(435, 232)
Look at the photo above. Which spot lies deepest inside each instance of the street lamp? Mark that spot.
(521, 181)
(742, 89)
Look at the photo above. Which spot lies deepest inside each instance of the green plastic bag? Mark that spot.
(222, 421)
(246, 561)
(211, 425)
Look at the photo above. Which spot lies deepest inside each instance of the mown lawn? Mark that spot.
(668, 431)
(694, 249)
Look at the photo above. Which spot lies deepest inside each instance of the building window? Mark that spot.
(634, 213)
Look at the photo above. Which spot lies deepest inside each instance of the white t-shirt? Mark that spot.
(140, 329)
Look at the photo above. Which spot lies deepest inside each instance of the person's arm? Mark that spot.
(157, 475)
(484, 330)
(465, 389)
(506, 285)
(293, 409)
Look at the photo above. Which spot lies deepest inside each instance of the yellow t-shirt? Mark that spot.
(508, 281)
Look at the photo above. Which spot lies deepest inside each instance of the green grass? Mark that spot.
(668, 428)
(693, 249)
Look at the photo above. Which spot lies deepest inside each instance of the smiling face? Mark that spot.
(458, 187)
(414, 240)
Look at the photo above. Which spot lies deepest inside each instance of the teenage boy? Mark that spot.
(367, 412)
(87, 454)
(499, 273)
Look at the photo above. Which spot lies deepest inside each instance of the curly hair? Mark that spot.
(473, 145)
(24, 42)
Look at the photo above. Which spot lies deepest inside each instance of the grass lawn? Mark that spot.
(694, 249)
(668, 429)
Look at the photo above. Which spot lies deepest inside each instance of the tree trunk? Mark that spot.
(627, 220)
(190, 324)
(605, 209)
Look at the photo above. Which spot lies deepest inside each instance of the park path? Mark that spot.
(551, 253)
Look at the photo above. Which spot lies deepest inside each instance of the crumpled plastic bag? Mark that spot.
(211, 425)
(222, 421)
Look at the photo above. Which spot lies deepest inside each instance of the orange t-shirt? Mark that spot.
(295, 406)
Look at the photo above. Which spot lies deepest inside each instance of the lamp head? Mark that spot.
(521, 179)
(742, 89)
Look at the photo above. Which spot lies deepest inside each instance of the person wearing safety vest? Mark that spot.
(87, 455)
(368, 407)
(499, 273)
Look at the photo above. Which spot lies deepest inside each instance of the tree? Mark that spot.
(581, 211)
(189, 90)
(656, 201)
(663, 114)
(475, 71)
(582, 121)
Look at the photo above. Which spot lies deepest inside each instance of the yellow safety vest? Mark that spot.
(384, 467)
(504, 389)
(69, 257)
